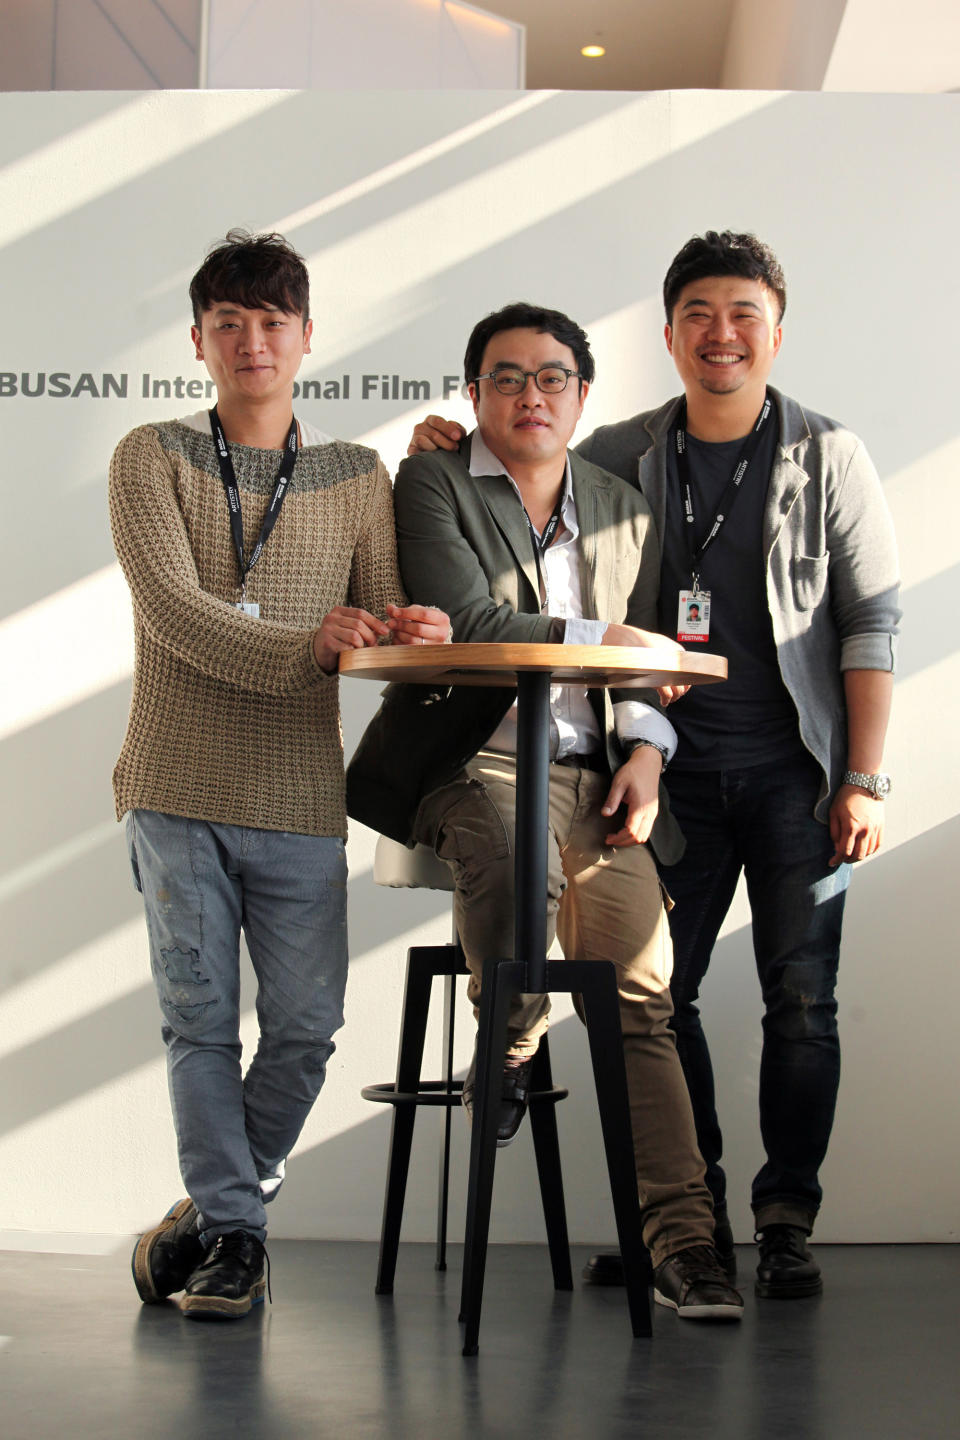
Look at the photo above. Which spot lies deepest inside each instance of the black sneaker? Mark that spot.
(229, 1279)
(692, 1282)
(165, 1257)
(787, 1270)
(513, 1096)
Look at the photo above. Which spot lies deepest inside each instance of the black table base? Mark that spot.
(530, 972)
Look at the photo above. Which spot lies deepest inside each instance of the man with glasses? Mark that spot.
(519, 540)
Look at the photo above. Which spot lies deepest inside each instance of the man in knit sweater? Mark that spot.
(256, 550)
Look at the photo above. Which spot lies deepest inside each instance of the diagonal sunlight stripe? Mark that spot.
(502, 200)
(65, 648)
(107, 969)
(99, 157)
(55, 859)
(916, 490)
(414, 161)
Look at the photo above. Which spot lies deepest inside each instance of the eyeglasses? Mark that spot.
(550, 379)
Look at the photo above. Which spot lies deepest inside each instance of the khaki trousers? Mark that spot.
(602, 904)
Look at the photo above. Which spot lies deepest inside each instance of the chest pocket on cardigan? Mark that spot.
(809, 579)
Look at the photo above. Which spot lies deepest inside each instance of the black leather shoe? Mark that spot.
(513, 1096)
(787, 1270)
(692, 1283)
(229, 1279)
(723, 1245)
(606, 1268)
(165, 1257)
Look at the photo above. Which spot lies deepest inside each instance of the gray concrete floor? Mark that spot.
(876, 1356)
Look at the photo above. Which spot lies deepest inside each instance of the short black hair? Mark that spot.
(521, 316)
(259, 272)
(725, 253)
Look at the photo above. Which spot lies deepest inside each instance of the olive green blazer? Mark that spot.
(464, 545)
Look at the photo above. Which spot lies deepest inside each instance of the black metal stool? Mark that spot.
(396, 865)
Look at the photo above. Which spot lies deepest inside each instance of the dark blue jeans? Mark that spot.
(760, 820)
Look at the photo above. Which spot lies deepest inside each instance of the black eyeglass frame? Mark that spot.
(533, 375)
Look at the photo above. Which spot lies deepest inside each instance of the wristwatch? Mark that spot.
(878, 785)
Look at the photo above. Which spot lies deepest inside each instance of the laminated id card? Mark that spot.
(249, 607)
(693, 617)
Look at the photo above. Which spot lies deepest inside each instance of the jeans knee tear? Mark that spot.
(182, 967)
(189, 1014)
(183, 979)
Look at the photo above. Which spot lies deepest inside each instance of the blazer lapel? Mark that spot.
(597, 543)
(504, 505)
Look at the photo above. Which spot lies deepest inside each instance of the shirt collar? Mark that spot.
(484, 462)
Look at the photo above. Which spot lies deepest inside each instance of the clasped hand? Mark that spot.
(347, 628)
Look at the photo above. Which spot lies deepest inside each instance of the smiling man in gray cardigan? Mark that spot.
(777, 541)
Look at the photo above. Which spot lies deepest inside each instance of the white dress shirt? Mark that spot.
(573, 723)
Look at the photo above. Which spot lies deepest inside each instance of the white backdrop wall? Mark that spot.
(418, 213)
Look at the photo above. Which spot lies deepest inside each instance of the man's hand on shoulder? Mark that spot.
(636, 785)
(418, 625)
(856, 824)
(632, 635)
(435, 433)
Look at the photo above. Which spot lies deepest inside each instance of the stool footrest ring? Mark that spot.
(437, 1092)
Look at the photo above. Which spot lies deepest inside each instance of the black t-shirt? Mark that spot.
(749, 719)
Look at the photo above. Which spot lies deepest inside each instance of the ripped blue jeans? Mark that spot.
(202, 883)
(760, 820)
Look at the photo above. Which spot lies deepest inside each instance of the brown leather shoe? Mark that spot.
(692, 1283)
(165, 1257)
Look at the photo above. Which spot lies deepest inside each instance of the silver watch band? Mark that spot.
(878, 785)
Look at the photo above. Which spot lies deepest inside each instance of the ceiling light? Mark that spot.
(593, 52)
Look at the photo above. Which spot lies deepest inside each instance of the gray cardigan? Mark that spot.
(830, 557)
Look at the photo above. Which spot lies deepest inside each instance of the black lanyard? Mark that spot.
(542, 543)
(727, 499)
(229, 478)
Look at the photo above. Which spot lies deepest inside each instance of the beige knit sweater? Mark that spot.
(232, 719)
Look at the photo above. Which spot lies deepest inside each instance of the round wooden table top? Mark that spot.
(496, 663)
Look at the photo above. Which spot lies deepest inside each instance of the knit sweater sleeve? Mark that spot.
(374, 574)
(203, 631)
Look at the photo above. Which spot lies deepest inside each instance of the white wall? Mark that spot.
(780, 44)
(418, 221)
